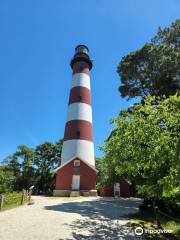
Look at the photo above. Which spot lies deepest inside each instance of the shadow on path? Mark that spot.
(103, 218)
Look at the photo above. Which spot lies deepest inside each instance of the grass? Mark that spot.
(12, 199)
(147, 220)
(174, 226)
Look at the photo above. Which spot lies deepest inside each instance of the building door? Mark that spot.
(75, 182)
(117, 190)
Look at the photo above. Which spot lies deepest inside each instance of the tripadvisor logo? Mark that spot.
(139, 231)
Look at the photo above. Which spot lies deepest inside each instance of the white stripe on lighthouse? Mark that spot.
(81, 148)
(79, 111)
(80, 79)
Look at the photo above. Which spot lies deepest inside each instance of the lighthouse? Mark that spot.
(76, 174)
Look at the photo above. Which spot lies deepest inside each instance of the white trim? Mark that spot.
(73, 158)
(80, 79)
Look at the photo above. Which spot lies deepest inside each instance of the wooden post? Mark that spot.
(1, 201)
(22, 198)
(30, 193)
(156, 215)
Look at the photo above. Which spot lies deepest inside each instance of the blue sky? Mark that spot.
(37, 41)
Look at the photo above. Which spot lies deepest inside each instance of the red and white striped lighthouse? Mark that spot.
(77, 171)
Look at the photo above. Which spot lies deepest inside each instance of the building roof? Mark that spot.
(73, 158)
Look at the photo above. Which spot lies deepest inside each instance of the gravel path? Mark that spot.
(68, 219)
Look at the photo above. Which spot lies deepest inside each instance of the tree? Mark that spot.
(153, 69)
(145, 147)
(7, 180)
(12, 165)
(25, 156)
(169, 35)
(106, 176)
(47, 157)
(29, 166)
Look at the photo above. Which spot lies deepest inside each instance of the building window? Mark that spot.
(78, 134)
(76, 163)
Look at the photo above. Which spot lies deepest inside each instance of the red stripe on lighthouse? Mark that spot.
(78, 129)
(81, 67)
(80, 94)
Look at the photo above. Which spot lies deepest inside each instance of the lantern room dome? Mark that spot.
(82, 49)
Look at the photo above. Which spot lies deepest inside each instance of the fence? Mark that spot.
(14, 199)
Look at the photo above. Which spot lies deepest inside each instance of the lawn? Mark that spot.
(12, 199)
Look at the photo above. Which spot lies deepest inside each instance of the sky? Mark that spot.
(37, 41)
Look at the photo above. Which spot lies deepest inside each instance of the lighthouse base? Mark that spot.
(69, 193)
(61, 193)
(72, 177)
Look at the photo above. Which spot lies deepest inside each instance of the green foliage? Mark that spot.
(7, 179)
(147, 220)
(47, 157)
(174, 226)
(106, 176)
(103, 175)
(144, 147)
(13, 199)
(169, 35)
(26, 156)
(28, 166)
(153, 69)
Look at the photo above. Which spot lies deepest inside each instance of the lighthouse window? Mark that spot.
(78, 134)
(80, 98)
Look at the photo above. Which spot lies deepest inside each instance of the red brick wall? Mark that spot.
(81, 67)
(124, 188)
(107, 192)
(64, 177)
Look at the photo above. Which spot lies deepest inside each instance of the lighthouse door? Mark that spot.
(75, 182)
